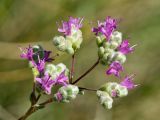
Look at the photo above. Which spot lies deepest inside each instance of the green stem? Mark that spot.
(88, 71)
(31, 110)
(88, 89)
(72, 68)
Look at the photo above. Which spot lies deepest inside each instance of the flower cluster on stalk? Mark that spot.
(39, 60)
(71, 39)
(112, 52)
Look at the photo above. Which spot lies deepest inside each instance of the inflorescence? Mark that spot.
(112, 53)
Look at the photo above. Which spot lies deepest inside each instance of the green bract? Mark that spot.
(107, 50)
(114, 89)
(56, 70)
(68, 93)
(69, 43)
(105, 100)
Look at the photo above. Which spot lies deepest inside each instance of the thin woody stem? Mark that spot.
(88, 89)
(88, 71)
(72, 68)
(34, 108)
(46, 102)
(34, 88)
(38, 97)
(31, 110)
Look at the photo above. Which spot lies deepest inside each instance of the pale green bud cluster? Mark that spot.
(118, 89)
(105, 99)
(68, 93)
(55, 70)
(109, 91)
(69, 43)
(107, 50)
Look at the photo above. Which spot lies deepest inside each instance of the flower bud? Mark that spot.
(60, 67)
(111, 57)
(114, 89)
(105, 99)
(120, 57)
(57, 40)
(55, 70)
(108, 56)
(101, 51)
(60, 43)
(75, 39)
(110, 88)
(50, 69)
(108, 50)
(113, 45)
(117, 37)
(121, 91)
(106, 45)
(70, 50)
(68, 93)
(105, 57)
(100, 39)
(77, 44)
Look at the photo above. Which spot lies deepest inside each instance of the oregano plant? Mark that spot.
(112, 51)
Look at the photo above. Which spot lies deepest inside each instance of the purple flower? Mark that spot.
(128, 82)
(62, 79)
(59, 96)
(124, 47)
(46, 56)
(27, 53)
(114, 68)
(45, 83)
(106, 28)
(67, 26)
(40, 65)
(114, 93)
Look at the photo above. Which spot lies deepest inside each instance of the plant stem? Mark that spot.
(31, 110)
(72, 68)
(46, 102)
(39, 95)
(34, 87)
(89, 89)
(33, 107)
(88, 71)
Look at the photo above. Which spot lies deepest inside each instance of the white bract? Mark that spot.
(69, 43)
(105, 99)
(68, 93)
(55, 70)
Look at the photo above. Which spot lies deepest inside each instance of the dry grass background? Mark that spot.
(24, 22)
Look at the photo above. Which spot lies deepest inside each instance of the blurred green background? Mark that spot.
(24, 22)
